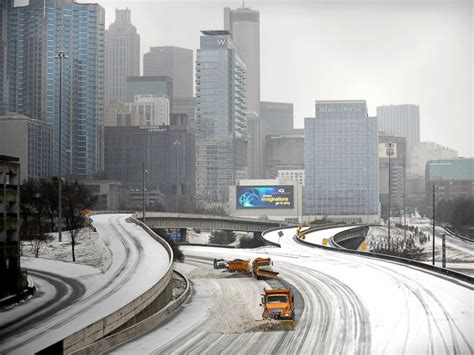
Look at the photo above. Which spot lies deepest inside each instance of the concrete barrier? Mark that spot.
(146, 325)
(115, 320)
(439, 270)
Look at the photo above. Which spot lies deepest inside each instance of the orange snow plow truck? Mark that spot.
(279, 305)
(238, 265)
(262, 269)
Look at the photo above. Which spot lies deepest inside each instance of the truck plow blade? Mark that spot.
(267, 274)
(273, 325)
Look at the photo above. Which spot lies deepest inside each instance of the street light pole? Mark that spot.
(61, 56)
(434, 216)
(177, 143)
(389, 147)
(404, 198)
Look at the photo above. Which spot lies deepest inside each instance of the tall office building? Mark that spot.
(244, 26)
(256, 131)
(341, 162)
(37, 32)
(122, 55)
(277, 115)
(4, 9)
(284, 152)
(401, 121)
(175, 62)
(221, 129)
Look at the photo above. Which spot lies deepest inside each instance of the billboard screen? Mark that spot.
(275, 196)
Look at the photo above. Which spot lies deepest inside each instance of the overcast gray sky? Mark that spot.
(383, 51)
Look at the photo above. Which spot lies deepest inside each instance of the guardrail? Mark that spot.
(454, 274)
(113, 321)
(145, 325)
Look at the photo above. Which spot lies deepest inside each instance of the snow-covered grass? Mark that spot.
(90, 249)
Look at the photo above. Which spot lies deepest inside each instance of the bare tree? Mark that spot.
(76, 199)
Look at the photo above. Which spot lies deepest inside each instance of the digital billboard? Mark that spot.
(271, 197)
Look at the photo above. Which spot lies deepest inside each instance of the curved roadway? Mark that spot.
(138, 262)
(352, 304)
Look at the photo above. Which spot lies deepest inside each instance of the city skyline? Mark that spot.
(400, 62)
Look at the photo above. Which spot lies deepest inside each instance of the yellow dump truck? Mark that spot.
(262, 269)
(279, 305)
(238, 265)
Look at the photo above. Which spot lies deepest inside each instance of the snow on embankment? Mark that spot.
(138, 264)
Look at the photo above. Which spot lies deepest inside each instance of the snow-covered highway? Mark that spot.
(352, 304)
(138, 263)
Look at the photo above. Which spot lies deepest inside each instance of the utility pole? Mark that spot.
(61, 56)
(389, 147)
(404, 198)
(177, 143)
(434, 214)
(144, 200)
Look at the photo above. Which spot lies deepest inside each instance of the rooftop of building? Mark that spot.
(148, 78)
(450, 169)
(215, 32)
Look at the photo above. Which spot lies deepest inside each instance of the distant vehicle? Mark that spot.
(220, 264)
(279, 305)
(262, 269)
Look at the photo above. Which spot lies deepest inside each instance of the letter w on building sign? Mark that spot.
(221, 42)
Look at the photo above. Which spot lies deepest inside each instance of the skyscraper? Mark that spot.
(341, 162)
(244, 26)
(37, 32)
(4, 9)
(277, 115)
(221, 129)
(401, 121)
(122, 55)
(175, 62)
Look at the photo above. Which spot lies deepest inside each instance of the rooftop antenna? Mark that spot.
(243, 4)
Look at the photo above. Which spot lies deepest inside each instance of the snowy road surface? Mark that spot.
(138, 262)
(352, 304)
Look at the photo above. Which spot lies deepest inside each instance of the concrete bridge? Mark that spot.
(183, 220)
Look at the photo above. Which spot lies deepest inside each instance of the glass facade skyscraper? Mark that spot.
(244, 25)
(221, 126)
(341, 162)
(37, 32)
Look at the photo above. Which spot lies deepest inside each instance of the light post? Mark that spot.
(434, 216)
(144, 200)
(389, 147)
(61, 56)
(404, 198)
(177, 143)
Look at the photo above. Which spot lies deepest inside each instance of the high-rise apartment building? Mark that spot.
(122, 55)
(221, 129)
(341, 162)
(36, 33)
(244, 27)
(277, 115)
(29, 140)
(401, 121)
(4, 9)
(174, 62)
